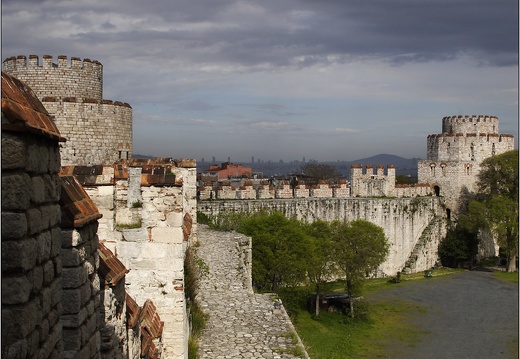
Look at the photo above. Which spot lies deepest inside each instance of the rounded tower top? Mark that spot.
(60, 79)
(470, 124)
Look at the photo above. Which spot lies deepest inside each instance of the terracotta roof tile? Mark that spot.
(133, 311)
(110, 267)
(21, 104)
(151, 324)
(76, 206)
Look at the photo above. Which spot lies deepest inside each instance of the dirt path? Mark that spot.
(469, 315)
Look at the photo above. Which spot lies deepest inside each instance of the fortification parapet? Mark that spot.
(470, 124)
(81, 79)
(98, 131)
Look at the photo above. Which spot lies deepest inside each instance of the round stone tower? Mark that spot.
(454, 156)
(98, 131)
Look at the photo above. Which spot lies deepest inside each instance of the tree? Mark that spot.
(460, 245)
(280, 247)
(320, 263)
(315, 172)
(496, 207)
(360, 247)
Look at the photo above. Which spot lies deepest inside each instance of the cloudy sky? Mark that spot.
(328, 80)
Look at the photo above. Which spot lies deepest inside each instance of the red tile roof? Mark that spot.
(76, 206)
(110, 267)
(19, 103)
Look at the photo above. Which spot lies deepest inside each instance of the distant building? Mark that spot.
(226, 170)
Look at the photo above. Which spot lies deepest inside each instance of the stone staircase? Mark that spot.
(410, 264)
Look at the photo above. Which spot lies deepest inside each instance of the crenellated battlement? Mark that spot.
(61, 77)
(98, 131)
(454, 156)
(21, 62)
(470, 124)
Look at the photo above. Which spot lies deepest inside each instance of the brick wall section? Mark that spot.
(98, 131)
(31, 262)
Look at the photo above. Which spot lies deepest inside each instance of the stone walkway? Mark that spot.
(241, 324)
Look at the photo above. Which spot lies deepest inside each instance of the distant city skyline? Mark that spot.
(328, 80)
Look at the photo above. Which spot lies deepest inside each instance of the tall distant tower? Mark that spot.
(98, 131)
(454, 156)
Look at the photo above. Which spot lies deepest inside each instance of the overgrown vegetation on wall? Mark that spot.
(194, 269)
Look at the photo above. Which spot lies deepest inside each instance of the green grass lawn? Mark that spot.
(511, 277)
(388, 325)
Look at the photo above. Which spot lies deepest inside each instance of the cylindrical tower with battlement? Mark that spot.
(98, 131)
(454, 156)
(470, 124)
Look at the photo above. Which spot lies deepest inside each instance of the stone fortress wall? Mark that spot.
(454, 156)
(98, 130)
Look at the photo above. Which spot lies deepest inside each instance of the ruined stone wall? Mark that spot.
(149, 219)
(31, 246)
(98, 131)
(403, 219)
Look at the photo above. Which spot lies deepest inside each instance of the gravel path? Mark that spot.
(469, 315)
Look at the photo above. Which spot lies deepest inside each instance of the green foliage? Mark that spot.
(320, 258)
(137, 204)
(229, 221)
(459, 246)
(280, 247)
(203, 218)
(496, 208)
(134, 225)
(402, 179)
(194, 269)
(360, 247)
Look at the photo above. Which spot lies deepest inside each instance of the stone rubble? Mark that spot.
(241, 324)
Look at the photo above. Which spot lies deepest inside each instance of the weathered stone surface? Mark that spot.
(14, 225)
(16, 290)
(241, 324)
(16, 191)
(13, 151)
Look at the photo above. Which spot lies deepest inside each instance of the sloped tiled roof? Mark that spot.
(76, 206)
(133, 311)
(111, 269)
(19, 103)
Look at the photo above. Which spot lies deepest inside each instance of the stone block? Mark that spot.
(74, 277)
(175, 218)
(16, 191)
(51, 215)
(74, 320)
(19, 254)
(36, 278)
(18, 349)
(34, 221)
(14, 152)
(38, 190)
(18, 321)
(71, 340)
(15, 289)
(44, 241)
(55, 241)
(37, 158)
(167, 235)
(14, 225)
(71, 301)
(48, 272)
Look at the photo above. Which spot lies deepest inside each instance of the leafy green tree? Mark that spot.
(360, 247)
(460, 245)
(320, 258)
(280, 247)
(496, 207)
